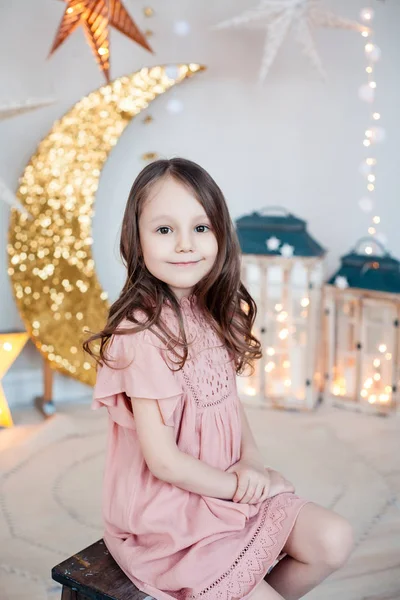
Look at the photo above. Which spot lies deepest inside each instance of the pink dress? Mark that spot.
(174, 544)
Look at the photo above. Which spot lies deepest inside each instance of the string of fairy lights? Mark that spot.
(374, 134)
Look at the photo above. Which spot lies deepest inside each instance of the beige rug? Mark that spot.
(50, 490)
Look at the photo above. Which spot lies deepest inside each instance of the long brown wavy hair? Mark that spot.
(220, 295)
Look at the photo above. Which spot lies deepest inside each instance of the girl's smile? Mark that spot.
(185, 264)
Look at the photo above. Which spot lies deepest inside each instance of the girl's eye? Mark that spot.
(160, 229)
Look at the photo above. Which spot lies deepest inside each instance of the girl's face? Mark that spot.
(174, 229)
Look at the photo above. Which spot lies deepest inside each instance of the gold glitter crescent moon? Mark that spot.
(51, 266)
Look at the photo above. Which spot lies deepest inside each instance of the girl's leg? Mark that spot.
(265, 592)
(319, 544)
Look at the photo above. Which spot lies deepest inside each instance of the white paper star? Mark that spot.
(287, 250)
(12, 109)
(273, 243)
(8, 110)
(279, 17)
(7, 196)
(341, 282)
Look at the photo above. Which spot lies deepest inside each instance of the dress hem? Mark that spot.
(156, 594)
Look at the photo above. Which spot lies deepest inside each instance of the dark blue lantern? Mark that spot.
(254, 231)
(369, 271)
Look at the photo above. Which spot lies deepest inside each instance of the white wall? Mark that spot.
(295, 142)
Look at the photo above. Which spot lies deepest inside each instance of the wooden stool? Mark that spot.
(93, 574)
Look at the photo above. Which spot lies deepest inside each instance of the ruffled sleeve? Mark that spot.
(138, 370)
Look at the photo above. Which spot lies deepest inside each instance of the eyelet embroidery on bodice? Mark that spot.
(208, 373)
(195, 395)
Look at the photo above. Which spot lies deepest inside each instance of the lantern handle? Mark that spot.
(367, 239)
(274, 208)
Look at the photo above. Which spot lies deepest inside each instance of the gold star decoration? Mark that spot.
(96, 16)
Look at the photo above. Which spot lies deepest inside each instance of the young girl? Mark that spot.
(190, 510)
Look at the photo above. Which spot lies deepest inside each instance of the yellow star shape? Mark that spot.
(96, 16)
(11, 345)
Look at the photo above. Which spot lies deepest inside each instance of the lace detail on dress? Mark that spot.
(208, 373)
(255, 559)
(195, 395)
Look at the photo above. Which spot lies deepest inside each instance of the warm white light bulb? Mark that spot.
(368, 250)
(369, 47)
(371, 230)
(376, 116)
(371, 178)
(250, 391)
(367, 15)
(376, 220)
(366, 143)
(370, 187)
(372, 84)
(369, 70)
(282, 316)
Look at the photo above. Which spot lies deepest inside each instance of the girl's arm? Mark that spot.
(248, 449)
(168, 463)
(194, 475)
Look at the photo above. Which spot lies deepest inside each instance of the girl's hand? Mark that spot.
(253, 481)
(256, 483)
(278, 484)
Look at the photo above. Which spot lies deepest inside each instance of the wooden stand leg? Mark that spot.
(69, 594)
(44, 403)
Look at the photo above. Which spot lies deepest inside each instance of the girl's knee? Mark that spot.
(336, 542)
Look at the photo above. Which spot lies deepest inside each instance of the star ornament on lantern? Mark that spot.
(96, 16)
(280, 17)
(341, 282)
(273, 243)
(287, 251)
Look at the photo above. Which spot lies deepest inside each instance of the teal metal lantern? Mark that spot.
(282, 267)
(362, 307)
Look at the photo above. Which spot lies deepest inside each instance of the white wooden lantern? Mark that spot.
(362, 307)
(282, 268)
